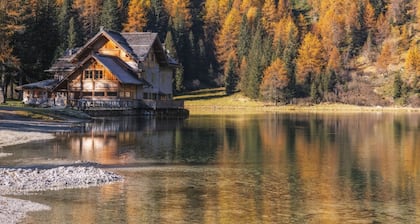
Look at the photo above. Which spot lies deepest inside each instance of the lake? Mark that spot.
(266, 168)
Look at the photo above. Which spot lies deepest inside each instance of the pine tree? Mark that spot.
(169, 45)
(179, 12)
(244, 39)
(109, 18)
(158, 18)
(398, 83)
(64, 24)
(89, 12)
(179, 79)
(230, 76)
(72, 39)
(36, 46)
(255, 67)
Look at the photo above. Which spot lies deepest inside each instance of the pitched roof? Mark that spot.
(44, 84)
(117, 67)
(140, 42)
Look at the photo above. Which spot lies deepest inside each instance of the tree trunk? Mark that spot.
(12, 92)
(2, 98)
(5, 92)
(20, 97)
(2, 82)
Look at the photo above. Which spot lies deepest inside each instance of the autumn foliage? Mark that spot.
(305, 41)
(275, 81)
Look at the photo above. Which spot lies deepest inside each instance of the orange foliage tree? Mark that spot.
(275, 81)
(310, 61)
(227, 38)
(412, 67)
(89, 11)
(285, 29)
(179, 11)
(269, 16)
(137, 15)
(385, 57)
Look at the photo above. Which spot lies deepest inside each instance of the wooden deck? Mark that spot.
(122, 104)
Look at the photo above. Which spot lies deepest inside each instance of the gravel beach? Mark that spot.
(15, 130)
(22, 181)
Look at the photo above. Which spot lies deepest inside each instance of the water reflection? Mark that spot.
(272, 168)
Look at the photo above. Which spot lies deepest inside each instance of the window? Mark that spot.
(125, 94)
(99, 74)
(111, 93)
(94, 74)
(88, 74)
(87, 93)
(99, 94)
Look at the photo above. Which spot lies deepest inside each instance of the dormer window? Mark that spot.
(93, 74)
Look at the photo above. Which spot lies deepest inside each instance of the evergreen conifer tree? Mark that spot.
(109, 18)
(230, 76)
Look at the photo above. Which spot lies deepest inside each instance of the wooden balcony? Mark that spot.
(124, 104)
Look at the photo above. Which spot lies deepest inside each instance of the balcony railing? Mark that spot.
(123, 104)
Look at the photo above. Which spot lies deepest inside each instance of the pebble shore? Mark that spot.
(16, 129)
(18, 181)
(22, 181)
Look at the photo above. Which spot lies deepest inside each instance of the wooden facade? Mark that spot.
(111, 71)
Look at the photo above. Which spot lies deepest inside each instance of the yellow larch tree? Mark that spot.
(251, 14)
(369, 16)
(332, 24)
(334, 60)
(385, 57)
(246, 4)
(211, 12)
(412, 61)
(285, 29)
(412, 67)
(137, 15)
(179, 11)
(283, 8)
(274, 81)
(310, 59)
(269, 16)
(224, 9)
(227, 38)
(89, 11)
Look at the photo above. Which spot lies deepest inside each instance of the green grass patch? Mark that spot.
(215, 101)
(12, 103)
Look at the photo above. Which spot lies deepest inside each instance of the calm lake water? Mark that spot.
(269, 168)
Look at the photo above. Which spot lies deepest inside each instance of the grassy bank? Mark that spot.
(17, 108)
(215, 101)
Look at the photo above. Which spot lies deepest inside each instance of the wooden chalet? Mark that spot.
(112, 71)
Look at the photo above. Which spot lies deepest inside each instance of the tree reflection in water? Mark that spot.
(270, 168)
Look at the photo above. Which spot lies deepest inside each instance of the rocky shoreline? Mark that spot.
(15, 129)
(22, 181)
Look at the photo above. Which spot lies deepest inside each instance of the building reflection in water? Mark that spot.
(273, 168)
(123, 140)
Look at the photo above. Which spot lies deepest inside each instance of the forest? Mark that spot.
(352, 51)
